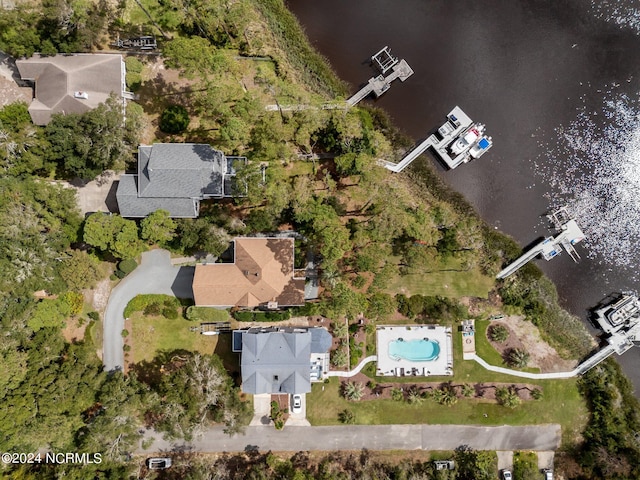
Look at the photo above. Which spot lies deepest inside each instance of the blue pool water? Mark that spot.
(414, 350)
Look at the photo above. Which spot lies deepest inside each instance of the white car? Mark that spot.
(548, 474)
(296, 403)
(158, 463)
(506, 475)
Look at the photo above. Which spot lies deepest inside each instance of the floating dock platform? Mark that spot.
(385, 62)
(458, 141)
(569, 235)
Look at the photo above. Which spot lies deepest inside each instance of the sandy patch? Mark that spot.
(101, 295)
(73, 331)
(524, 334)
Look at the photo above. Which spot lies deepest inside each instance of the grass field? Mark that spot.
(154, 334)
(448, 280)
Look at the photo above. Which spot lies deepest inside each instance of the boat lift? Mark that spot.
(569, 235)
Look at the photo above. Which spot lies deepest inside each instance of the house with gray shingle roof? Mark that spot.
(73, 83)
(277, 360)
(175, 177)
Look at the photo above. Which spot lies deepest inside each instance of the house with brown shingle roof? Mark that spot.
(262, 275)
(73, 83)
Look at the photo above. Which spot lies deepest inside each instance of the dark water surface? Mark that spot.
(525, 69)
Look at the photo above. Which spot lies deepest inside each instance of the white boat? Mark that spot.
(481, 146)
(467, 139)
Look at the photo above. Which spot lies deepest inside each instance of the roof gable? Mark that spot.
(276, 362)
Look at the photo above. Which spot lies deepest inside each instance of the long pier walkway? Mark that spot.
(570, 234)
(380, 84)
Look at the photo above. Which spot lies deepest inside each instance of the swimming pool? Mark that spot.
(416, 350)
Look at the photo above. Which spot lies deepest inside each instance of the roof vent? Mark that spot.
(83, 95)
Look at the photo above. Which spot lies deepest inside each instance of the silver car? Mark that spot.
(158, 463)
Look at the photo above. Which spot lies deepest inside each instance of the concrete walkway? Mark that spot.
(355, 371)
(517, 373)
(372, 437)
(154, 275)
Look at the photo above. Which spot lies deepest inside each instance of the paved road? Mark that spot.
(154, 275)
(372, 437)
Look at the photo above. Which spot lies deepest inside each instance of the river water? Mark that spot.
(556, 83)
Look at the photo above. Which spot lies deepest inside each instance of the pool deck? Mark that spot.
(387, 366)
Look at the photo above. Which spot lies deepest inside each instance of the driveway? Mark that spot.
(154, 275)
(372, 437)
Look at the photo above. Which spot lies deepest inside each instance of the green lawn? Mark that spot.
(487, 352)
(447, 281)
(154, 334)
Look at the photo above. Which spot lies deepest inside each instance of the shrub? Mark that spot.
(152, 309)
(170, 313)
(94, 316)
(124, 333)
(243, 316)
(126, 348)
(174, 119)
(359, 281)
(127, 266)
(536, 394)
(138, 303)
(347, 417)
(118, 274)
(134, 73)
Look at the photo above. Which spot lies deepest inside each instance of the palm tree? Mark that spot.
(449, 396)
(353, 391)
(468, 390)
(498, 333)
(397, 394)
(518, 358)
(414, 397)
(330, 277)
(508, 397)
(347, 417)
(339, 329)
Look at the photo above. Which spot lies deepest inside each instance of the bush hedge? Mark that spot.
(139, 303)
(127, 266)
(258, 316)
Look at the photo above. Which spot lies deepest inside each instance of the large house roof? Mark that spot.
(276, 362)
(175, 177)
(180, 170)
(71, 83)
(263, 272)
(130, 205)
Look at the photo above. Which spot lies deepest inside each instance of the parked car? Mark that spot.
(548, 474)
(506, 475)
(158, 463)
(444, 464)
(296, 403)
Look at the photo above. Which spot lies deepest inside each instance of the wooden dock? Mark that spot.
(383, 61)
